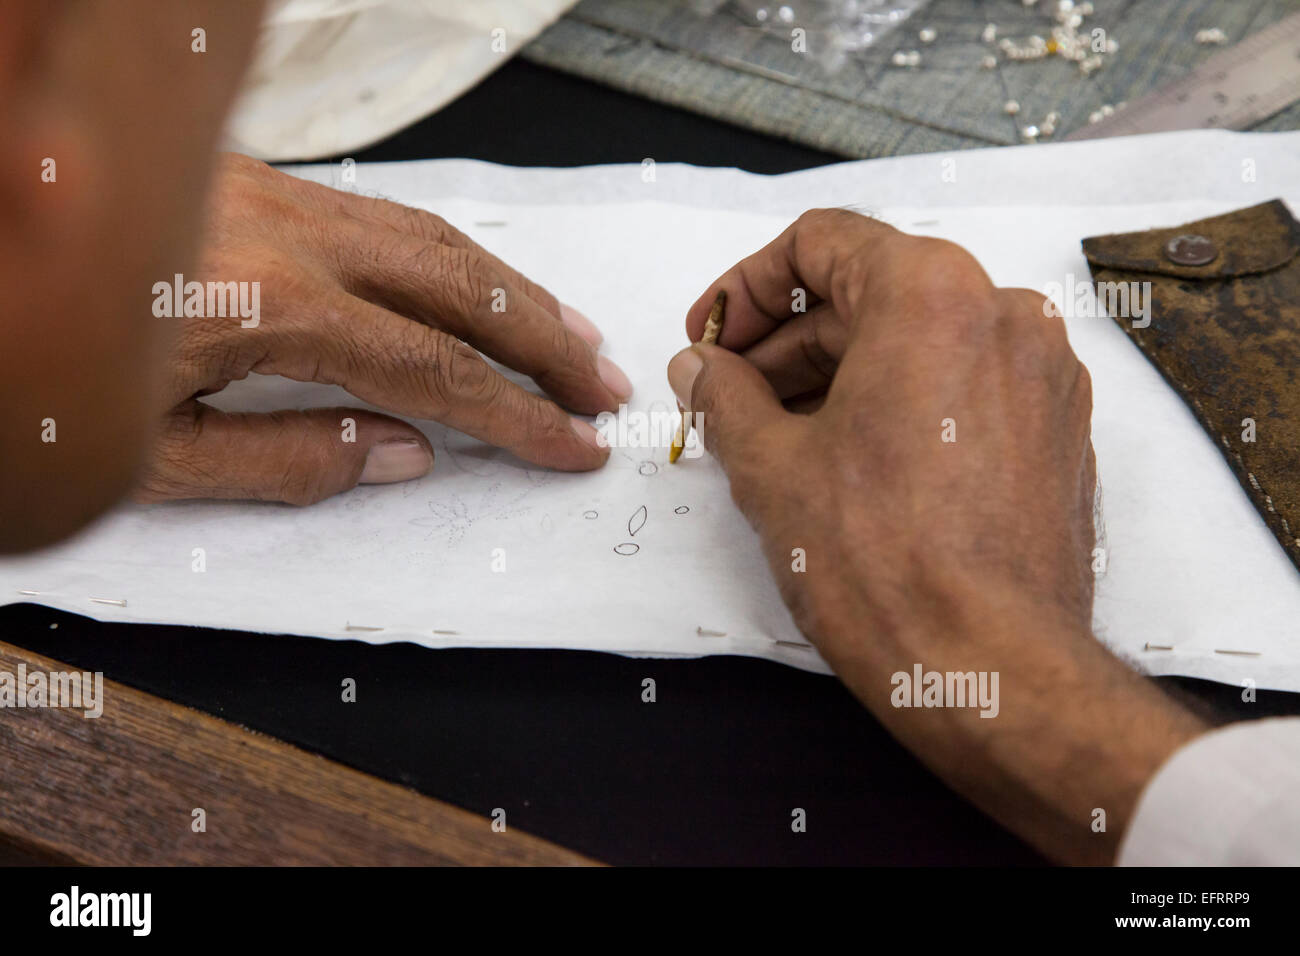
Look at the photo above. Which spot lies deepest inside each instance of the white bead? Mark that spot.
(1107, 110)
(899, 58)
(990, 33)
(989, 63)
(927, 35)
(1095, 116)
(1011, 108)
(1029, 133)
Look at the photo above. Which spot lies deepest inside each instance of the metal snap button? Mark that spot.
(1191, 250)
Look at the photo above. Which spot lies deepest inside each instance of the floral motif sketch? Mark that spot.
(453, 516)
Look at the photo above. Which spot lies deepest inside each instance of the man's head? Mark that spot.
(109, 116)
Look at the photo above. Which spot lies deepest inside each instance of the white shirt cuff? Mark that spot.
(1230, 797)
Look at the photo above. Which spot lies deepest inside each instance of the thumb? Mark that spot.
(731, 403)
(298, 457)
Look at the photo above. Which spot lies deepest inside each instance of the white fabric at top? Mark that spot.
(337, 75)
(1228, 798)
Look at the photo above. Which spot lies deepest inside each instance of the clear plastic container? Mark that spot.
(835, 28)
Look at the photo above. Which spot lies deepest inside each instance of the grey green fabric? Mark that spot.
(722, 68)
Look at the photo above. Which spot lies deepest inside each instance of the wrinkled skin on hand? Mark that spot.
(914, 452)
(391, 303)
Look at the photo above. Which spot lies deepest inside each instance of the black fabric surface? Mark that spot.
(710, 773)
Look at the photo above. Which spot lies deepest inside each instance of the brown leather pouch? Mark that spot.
(1224, 331)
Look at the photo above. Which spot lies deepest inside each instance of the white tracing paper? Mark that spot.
(1191, 565)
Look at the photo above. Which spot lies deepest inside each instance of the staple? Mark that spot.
(1158, 647)
(436, 631)
(1239, 653)
(491, 222)
(926, 222)
(361, 627)
(25, 591)
(793, 644)
(116, 602)
(705, 632)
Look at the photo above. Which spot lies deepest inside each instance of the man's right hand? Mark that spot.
(934, 506)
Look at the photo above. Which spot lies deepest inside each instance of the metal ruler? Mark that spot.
(1233, 89)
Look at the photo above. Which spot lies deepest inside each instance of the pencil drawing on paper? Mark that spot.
(634, 524)
(453, 517)
(637, 521)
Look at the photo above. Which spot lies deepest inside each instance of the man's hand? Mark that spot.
(940, 488)
(394, 305)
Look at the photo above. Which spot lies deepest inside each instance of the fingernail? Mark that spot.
(579, 323)
(614, 378)
(682, 371)
(586, 432)
(399, 460)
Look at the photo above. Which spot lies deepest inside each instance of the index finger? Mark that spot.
(824, 254)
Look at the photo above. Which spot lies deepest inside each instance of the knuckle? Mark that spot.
(466, 279)
(1037, 328)
(240, 164)
(821, 217)
(304, 479)
(456, 372)
(953, 281)
(1028, 301)
(565, 357)
(416, 222)
(832, 218)
(175, 469)
(948, 290)
(815, 351)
